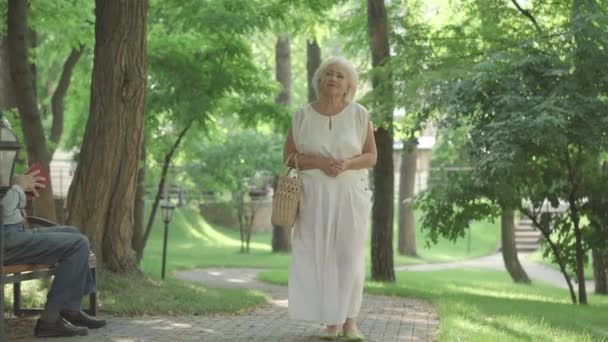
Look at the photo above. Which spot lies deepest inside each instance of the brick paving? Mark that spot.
(382, 319)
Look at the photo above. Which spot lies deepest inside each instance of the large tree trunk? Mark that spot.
(24, 83)
(600, 271)
(313, 60)
(384, 178)
(7, 92)
(407, 182)
(140, 206)
(509, 249)
(102, 196)
(281, 236)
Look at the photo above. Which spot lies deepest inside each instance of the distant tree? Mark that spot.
(281, 236)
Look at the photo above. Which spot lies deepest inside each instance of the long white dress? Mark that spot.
(327, 269)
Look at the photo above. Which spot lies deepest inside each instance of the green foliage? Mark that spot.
(232, 162)
(536, 122)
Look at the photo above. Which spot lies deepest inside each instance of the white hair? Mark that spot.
(351, 76)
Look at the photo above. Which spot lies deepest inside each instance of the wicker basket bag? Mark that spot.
(287, 197)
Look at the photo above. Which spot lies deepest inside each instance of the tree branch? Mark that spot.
(527, 14)
(60, 92)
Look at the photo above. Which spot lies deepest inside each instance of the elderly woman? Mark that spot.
(333, 141)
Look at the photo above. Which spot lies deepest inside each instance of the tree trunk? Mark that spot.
(382, 209)
(313, 60)
(24, 83)
(102, 196)
(407, 183)
(140, 206)
(509, 250)
(555, 250)
(283, 68)
(161, 184)
(281, 237)
(60, 92)
(600, 271)
(7, 92)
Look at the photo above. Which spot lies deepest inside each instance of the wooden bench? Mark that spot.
(15, 274)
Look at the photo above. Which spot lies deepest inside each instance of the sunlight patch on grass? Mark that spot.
(197, 227)
(505, 294)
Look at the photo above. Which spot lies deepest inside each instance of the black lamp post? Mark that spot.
(9, 146)
(167, 208)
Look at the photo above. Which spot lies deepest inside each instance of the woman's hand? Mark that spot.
(326, 165)
(338, 166)
(332, 167)
(31, 182)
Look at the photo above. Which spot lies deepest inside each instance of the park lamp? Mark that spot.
(9, 146)
(167, 207)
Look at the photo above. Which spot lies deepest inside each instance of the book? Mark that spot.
(36, 167)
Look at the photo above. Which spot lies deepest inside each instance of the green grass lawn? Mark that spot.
(484, 240)
(538, 257)
(194, 243)
(479, 305)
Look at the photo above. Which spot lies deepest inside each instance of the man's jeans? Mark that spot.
(64, 246)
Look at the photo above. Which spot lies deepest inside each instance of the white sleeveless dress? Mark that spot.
(327, 269)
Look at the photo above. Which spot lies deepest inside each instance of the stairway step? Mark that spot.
(527, 248)
(528, 233)
(526, 229)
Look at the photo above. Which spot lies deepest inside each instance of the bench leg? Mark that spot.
(93, 304)
(17, 298)
(93, 296)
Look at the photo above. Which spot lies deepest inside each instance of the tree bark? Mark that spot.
(281, 237)
(600, 271)
(140, 206)
(61, 91)
(313, 60)
(283, 68)
(384, 179)
(24, 83)
(509, 249)
(7, 92)
(102, 196)
(407, 183)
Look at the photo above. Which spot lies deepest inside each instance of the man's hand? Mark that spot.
(31, 182)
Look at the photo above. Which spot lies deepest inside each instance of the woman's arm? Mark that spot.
(305, 162)
(369, 154)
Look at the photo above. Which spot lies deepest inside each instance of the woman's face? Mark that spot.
(333, 81)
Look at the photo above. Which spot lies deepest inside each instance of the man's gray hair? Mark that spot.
(351, 76)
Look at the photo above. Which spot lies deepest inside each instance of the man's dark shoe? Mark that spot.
(81, 319)
(59, 328)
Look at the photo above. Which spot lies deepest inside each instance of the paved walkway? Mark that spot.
(382, 319)
(536, 271)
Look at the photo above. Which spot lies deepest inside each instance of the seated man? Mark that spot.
(66, 247)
